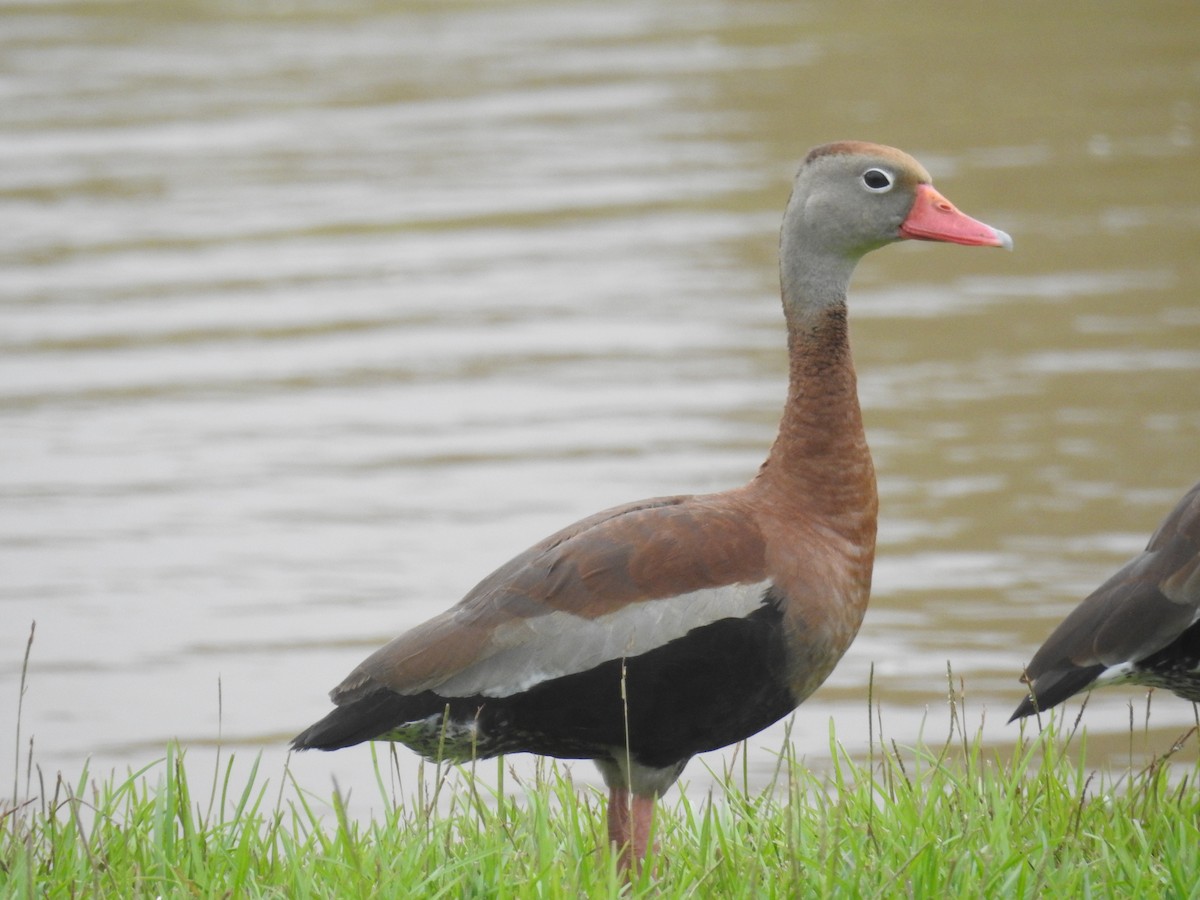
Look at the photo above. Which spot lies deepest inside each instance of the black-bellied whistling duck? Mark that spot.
(657, 630)
(1142, 626)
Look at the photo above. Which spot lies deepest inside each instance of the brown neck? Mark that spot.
(820, 459)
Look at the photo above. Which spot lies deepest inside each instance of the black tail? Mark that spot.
(1052, 688)
(362, 720)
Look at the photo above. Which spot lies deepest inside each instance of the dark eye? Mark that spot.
(877, 180)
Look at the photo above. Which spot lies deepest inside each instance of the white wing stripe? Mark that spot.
(543, 647)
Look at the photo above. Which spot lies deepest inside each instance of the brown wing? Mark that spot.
(610, 566)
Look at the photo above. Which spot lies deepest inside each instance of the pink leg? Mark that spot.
(618, 818)
(630, 821)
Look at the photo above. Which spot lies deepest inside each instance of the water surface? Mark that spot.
(312, 315)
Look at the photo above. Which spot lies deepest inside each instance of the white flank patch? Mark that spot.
(540, 648)
(1121, 673)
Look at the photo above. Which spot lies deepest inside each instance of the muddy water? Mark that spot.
(313, 316)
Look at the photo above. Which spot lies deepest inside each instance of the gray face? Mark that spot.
(849, 204)
(848, 199)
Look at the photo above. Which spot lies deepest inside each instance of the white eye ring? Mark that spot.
(877, 181)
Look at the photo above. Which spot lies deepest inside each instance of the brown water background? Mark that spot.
(312, 314)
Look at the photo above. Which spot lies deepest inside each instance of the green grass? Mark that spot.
(947, 820)
(950, 820)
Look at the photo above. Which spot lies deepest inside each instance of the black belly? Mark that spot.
(718, 684)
